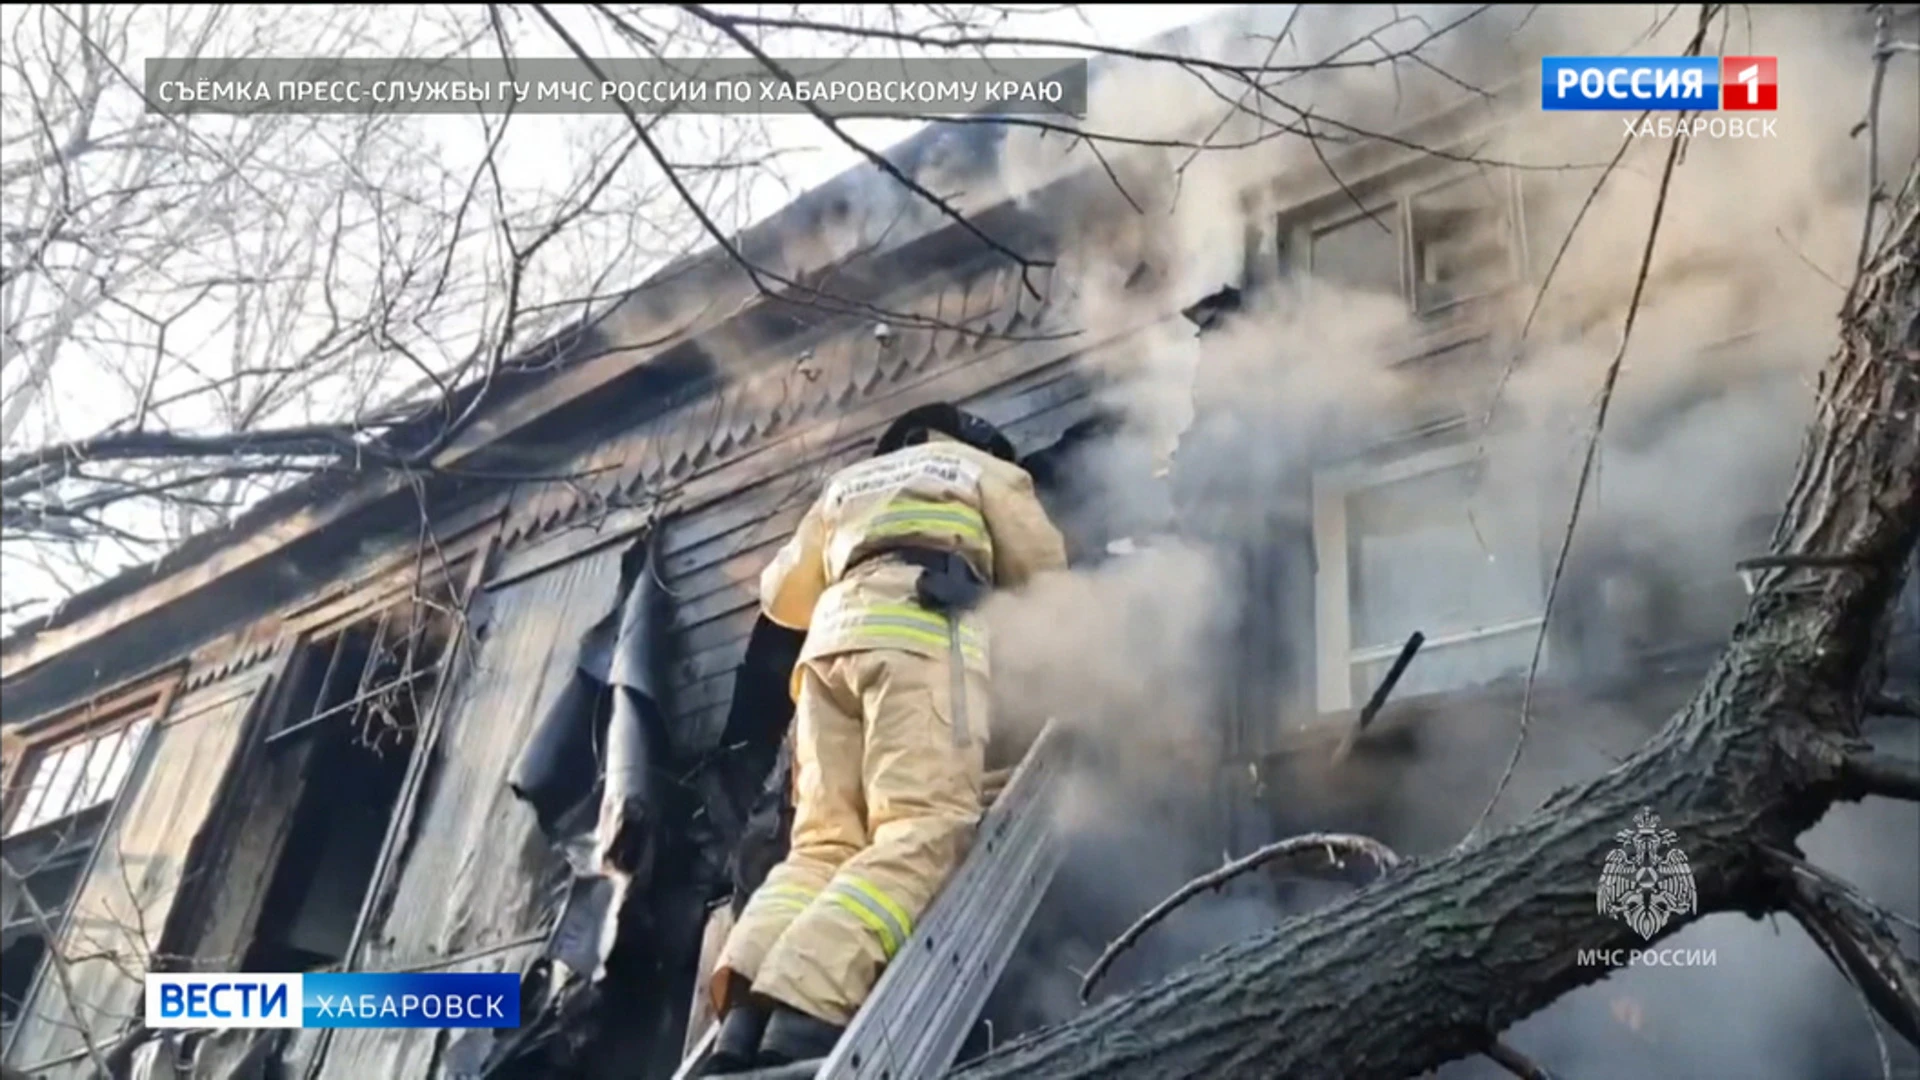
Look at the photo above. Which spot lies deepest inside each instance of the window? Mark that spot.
(1436, 248)
(61, 775)
(69, 764)
(1461, 249)
(1422, 544)
(61, 781)
(1362, 252)
(363, 673)
(347, 724)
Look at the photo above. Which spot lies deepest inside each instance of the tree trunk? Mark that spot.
(1428, 963)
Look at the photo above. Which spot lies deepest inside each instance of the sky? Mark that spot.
(808, 154)
(1110, 25)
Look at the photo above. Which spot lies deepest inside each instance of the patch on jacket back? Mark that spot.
(931, 468)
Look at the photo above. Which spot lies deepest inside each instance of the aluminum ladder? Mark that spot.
(930, 996)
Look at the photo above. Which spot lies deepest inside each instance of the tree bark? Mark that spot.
(1431, 961)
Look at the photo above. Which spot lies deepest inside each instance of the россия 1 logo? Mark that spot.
(1690, 83)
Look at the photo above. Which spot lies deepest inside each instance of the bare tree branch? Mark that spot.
(1856, 935)
(878, 161)
(1864, 773)
(1894, 705)
(1330, 845)
(61, 971)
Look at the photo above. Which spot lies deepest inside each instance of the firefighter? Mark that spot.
(890, 721)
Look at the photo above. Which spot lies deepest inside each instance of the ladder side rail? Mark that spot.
(910, 1016)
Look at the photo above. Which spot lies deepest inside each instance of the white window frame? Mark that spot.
(1395, 204)
(1335, 656)
(1507, 204)
(1382, 206)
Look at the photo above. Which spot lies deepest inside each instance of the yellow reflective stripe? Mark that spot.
(906, 615)
(963, 520)
(891, 530)
(904, 623)
(958, 516)
(887, 919)
(888, 945)
(901, 920)
(950, 511)
(794, 898)
(886, 628)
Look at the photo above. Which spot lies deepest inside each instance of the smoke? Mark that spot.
(1319, 369)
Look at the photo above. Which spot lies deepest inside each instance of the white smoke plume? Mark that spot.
(1756, 241)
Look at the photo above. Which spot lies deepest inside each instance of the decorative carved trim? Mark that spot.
(228, 662)
(989, 312)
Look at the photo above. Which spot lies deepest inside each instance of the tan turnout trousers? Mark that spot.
(884, 810)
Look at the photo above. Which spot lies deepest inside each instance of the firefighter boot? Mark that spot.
(794, 1036)
(737, 1047)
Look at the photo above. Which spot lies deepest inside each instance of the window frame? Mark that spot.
(457, 574)
(1394, 201)
(1504, 183)
(1381, 206)
(436, 633)
(147, 700)
(75, 846)
(1335, 656)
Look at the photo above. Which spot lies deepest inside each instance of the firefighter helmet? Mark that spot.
(950, 420)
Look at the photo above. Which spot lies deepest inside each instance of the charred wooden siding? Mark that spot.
(479, 885)
(476, 867)
(803, 388)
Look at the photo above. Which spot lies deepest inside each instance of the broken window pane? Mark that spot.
(51, 881)
(1362, 254)
(18, 965)
(350, 727)
(1438, 554)
(1460, 248)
